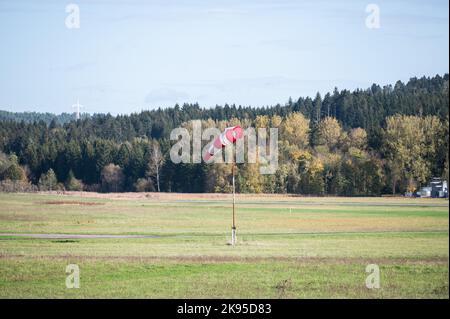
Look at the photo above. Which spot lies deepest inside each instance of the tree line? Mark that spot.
(387, 139)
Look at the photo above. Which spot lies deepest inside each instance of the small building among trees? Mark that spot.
(436, 189)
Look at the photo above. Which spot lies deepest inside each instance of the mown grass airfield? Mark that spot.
(148, 245)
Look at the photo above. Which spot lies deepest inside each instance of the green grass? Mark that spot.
(289, 247)
(45, 278)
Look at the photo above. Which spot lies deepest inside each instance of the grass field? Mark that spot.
(288, 247)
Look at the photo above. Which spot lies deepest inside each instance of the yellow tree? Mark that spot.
(275, 121)
(410, 146)
(295, 130)
(262, 121)
(358, 138)
(329, 132)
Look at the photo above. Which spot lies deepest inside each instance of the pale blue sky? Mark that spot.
(136, 54)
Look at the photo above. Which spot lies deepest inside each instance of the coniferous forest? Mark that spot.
(367, 142)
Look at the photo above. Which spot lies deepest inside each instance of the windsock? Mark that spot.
(229, 136)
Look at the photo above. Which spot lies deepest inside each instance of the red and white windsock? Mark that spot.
(229, 136)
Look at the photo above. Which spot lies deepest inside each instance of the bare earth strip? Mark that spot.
(187, 197)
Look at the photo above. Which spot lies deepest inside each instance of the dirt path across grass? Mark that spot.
(75, 236)
(111, 236)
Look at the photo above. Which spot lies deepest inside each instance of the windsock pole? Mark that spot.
(227, 137)
(233, 228)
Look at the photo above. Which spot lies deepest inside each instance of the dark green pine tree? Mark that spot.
(317, 107)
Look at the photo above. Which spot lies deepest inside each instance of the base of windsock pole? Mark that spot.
(233, 236)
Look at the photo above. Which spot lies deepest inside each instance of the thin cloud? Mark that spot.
(166, 95)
